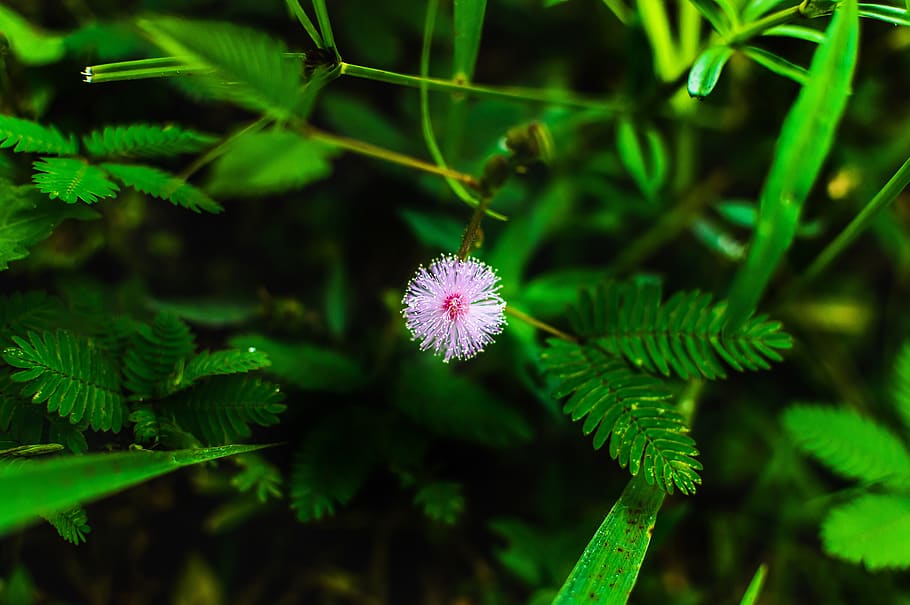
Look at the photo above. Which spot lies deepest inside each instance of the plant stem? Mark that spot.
(325, 25)
(470, 232)
(387, 155)
(533, 95)
(305, 21)
(757, 28)
(519, 315)
(222, 147)
(657, 27)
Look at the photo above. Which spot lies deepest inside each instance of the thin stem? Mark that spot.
(470, 232)
(139, 74)
(304, 20)
(219, 149)
(325, 26)
(886, 195)
(533, 95)
(387, 155)
(757, 28)
(539, 324)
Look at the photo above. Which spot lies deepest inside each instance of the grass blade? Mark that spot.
(468, 28)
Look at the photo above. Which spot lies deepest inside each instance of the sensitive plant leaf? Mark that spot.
(849, 444)
(469, 16)
(548, 294)
(900, 387)
(221, 409)
(44, 487)
(259, 163)
(432, 395)
(806, 137)
(873, 530)
(28, 44)
(626, 410)
(753, 590)
(248, 67)
(222, 363)
(776, 64)
(706, 70)
(24, 311)
(711, 11)
(889, 14)
(27, 136)
(258, 476)
(210, 312)
(303, 365)
(71, 524)
(145, 140)
(164, 186)
(643, 154)
(154, 354)
(71, 374)
(72, 180)
(608, 568)
(441, 501)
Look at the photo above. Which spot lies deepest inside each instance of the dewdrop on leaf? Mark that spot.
(454, 307)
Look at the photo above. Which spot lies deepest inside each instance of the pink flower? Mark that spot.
(454, 307)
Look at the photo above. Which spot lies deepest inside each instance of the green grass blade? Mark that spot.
(755, 586)
(608, 568)
(325, 25)
(806, 138)
(34, 488)
(468, 28)
(777, 64)
(706, 70)
(303, 18)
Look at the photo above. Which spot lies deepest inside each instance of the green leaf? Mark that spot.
(26, 136)
(259, 163)
(219, 410)
(434, 231)
(24, 311)
(246, 66)
(441, 501)
(72, 180)
(874, 530)
(889, 14)
(646, 160)
(608, 568)
(221, 363)
(27, 218)
(259, 476)
(756, 8)
(796, 31)
(303, 365)
(681, 336)
(900, 387)
(164, 186)
(154, 354)
(849, 444)
(753, 590)
(145, 140)
(806, 137)
(469, 16)
(210, 312)
(710, 10)
(627, 410)
(71, 524)
(30, 45)
(706, 70)
(434, 396)
(44, 487)
(776, 64)
(71, 374)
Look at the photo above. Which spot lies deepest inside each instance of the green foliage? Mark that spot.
(26, 136)
(219, 363)
(468, 22)
(28, 44)
(441, 501)
(71, 524)
(900, 385)
(71, 374)
(873, 529)
(683, 336)
(219, 410)
(644, 155)
(72, 180)
(24, 311)
(706, 70)
(327, 474)
(240, 64)
(258, 476)
(47, 486)
(163, 185)
(154, 354)
(849, 444)
(629, 409)
(145, 140)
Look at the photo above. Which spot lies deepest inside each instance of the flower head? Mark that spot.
(454, 307)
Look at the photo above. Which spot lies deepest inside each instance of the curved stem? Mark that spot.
(545, 327)
(757, 28)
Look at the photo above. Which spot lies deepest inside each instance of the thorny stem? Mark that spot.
(545, 327)
(394, 157)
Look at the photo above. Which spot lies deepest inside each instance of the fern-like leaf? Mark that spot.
(238, 64)
(72, 180)
(628, 409)
(71, 374)
(874, 529)
(849, 444)
(259, 476)
(682, 336)
(222, 363)
(219, 410)
(900, 388)
(27, 136)
(71, 524)
(24, 311)
(145, 140)
(152, 359)
(325, 473)
(164, 186)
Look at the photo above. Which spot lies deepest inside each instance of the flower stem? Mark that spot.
(473, 228)
(545, 327)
